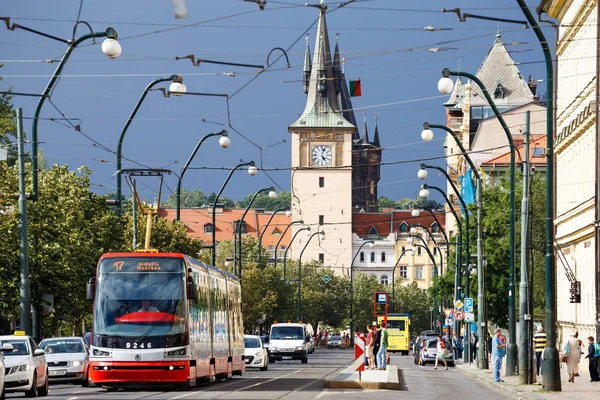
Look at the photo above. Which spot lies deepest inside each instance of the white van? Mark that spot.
(288, 341)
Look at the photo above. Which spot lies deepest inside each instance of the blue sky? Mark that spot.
(383, 41)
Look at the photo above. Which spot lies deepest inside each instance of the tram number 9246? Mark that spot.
(136, 345)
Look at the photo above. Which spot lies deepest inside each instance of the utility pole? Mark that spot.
(524, 311)
(25, 291)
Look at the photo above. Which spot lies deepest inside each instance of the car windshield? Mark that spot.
(134, 294)
(335, 338)
(265, 339)
(54, 346)
(396, 324)
(20, 347)
(287, 332)
(433, 344)
(251, 343)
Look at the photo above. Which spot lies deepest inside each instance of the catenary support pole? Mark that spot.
(25, 287)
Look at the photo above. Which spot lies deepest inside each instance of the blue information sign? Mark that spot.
(469, 304)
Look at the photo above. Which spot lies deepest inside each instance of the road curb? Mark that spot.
(354, 384)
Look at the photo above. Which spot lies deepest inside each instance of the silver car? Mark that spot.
(68, 359)
(429, 352)
(336, 341)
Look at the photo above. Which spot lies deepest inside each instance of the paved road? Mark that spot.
(293, 380)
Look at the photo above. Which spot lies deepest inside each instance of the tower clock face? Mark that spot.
(321, 155)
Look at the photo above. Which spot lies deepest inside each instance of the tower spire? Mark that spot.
(365, 138)
(337, 67)
(307, 67)
(376, 141)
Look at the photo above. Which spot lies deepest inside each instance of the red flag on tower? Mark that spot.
(355, 88)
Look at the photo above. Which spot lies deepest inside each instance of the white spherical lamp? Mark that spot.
(252, 170)
(272, 194)
(111, 48)
(422, 174)
(288, 213)
(424, 193)
(413, 230)
(445, 85)
(415, 212)
(224, 141)
(177, 89)
(427, 135)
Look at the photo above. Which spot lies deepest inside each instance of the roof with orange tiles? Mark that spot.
(387, 222)
(196, 219)
(536, 157)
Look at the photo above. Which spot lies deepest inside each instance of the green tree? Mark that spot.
(408, 203)
(226, 201)
(365, 285)
(8, 126)
(415, 301)
(189, 199)
(385, 202)
(283, 200)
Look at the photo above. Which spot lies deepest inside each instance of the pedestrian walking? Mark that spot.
(498, 351)
(369, 343)
(441, 353)
(572, 349)
(382, 353)
(593, 360)
(474, 342)
(456, 346)
(377, 344)
(539, 344)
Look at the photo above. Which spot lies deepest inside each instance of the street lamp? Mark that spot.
(457, 278)
(287, 213)
(551, 377)
(110, 47)
(214, 226)
(511, 354)
(272, 195)
(302, 228)
(224, 141)
(394, 275)
(371, 243)
(322, 237)
(301, 222)
(435, 275)
(482, 361)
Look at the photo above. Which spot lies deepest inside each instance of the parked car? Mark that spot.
(267, 345)
(419, 342)
(336, 341)
(25, 366)
(255, 355)
(310, 344)
(429, 352)
(6, 347)
(68, 359)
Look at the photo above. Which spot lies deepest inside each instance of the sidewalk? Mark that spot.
(582, 389)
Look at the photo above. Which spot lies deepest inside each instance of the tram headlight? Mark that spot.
(176, 353)
(100, 353)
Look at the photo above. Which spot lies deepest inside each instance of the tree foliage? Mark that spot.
(415, 301)
(408, 203)
(189, 199)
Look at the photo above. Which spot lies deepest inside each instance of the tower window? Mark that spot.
(321, 219)
(383, 257)
(362, 256)
(321, 258)
(321, 181)
(372, 256)
(403, 227)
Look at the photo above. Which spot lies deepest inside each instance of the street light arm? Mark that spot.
(434, 242)
(429, 232)
(430, 211)
(283, 235)
(300, 273)
(447, 202)
(214, 227)
(456, 191)
(427, 125)
(262, 234)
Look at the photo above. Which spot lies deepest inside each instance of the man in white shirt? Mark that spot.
(146, 306)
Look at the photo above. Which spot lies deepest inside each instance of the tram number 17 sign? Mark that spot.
(380, 304)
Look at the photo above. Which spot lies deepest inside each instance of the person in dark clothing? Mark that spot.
(473, 341)
(377, 344)
(593, 366)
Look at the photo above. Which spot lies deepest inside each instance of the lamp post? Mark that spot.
(110, 47)
(435, 275)
(301, 222)
(394, 275)
(287, 213)
(422, 174)
(445, 85)
(427, 135)
(371, 243)
(176, 86)
(322, 233)
(434, 242)
(252, 170)
(424, 192)
(306, 228)
(272, 195)
(551, 377)
(224, 141)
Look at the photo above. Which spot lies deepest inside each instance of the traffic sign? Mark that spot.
(326, 279)
(359, 351)
(459, 315)
(448, 322)
(469, 305)
(469, 317)
(458, 304)
(447, 311)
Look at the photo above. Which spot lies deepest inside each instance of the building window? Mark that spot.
(362, 256)
(419, 272)
(383, 257)
(236, 226)
(321, 181)
(419, 250)
(208, 228)
(403, 249)
(321, 219)
(373, 231)
(383, 280)
(403, 227)
(372, 256)
(271, 250)
(435, 228)
(276, 232)
(404, 272)
(435, 251)
(321, 258)
(538, 152)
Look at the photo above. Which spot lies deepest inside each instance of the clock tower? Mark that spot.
(322, 157)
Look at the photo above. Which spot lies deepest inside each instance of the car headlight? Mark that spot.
(100, 353)
(176, 353)
(75, 363)
(274, 348)
(18, 368)
(258, 353)
(299, 347)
